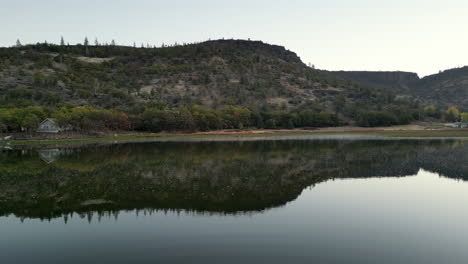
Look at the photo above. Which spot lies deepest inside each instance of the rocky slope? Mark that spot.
(212, 74)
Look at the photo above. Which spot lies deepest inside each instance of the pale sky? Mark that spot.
(412, 35)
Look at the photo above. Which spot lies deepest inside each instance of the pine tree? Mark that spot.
(86, 43)
(18, 43)
(62, 46)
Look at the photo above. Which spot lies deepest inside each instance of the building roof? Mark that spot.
(49, 119)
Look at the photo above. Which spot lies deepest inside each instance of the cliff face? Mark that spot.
(398, 81)
(261, 48)
(448, 88)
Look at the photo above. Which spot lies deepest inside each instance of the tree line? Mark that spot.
(78, 118)
(398, 117)
(156, 119)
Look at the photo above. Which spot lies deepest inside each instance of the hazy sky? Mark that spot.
(423, 36)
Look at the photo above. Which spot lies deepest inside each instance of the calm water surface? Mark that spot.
(310, 201)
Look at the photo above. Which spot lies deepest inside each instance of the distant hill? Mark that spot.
(447, 88)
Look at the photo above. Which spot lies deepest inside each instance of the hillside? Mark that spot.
(447, 88)
(271, 86)
(213, 73)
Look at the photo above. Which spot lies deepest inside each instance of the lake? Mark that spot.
(266, 201)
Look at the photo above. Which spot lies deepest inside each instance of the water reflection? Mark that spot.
(203, 177)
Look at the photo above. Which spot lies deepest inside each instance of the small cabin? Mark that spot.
(49, 125)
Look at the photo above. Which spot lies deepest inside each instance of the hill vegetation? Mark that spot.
(203, 86)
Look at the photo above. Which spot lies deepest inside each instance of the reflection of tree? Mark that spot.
(228, 177)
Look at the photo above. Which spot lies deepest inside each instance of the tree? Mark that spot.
(376, 118)
(96, 42)
(452, 114)
(257, 119)
(464, 117)
(30, 122)
(290, 123)
(339, 102)
(270, 124)
(86, 43)
(432, 111)
(113, 43)
(62, 46)
(18, 43)
(3, 128)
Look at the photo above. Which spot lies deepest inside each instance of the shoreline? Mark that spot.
(397, 132)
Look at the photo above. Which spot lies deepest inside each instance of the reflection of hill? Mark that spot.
(224, 177)
(451, 161)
